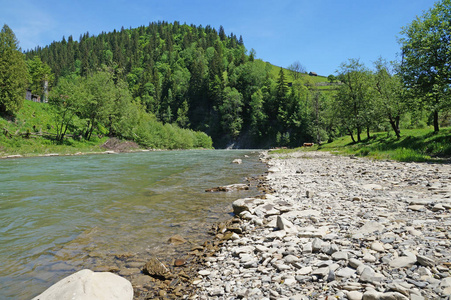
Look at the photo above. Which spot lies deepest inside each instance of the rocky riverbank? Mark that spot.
(333, 227)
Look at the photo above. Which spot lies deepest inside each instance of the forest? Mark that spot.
(199, 79)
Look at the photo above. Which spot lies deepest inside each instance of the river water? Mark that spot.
(59, 215)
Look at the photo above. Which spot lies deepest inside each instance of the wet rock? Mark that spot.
(229, 188)
(177, 240)
(155, 268)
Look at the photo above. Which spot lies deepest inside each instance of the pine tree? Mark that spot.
(13, 73)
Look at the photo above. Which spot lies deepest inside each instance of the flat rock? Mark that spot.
(403, 262)
(370, 227)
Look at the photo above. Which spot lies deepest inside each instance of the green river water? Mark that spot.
(59, 215)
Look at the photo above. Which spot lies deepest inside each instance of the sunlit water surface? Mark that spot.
(62, 214)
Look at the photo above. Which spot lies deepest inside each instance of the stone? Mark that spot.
(355, 263)
(155, 268)
(305, 270)
(376, 246)
(284, 224)
(289, 259)
(403, 262)
(371, 295)
(425, 261)
(340, 255)
(229, 188)
(370, 227)
(179, 262)
(245, 204)
(368, 257)
(204, 272)
(89, 285)
(237, 161)
(316, 244)
(321, 272)
(416, 207)
(345, 272)
(354, 295)
(177, 240)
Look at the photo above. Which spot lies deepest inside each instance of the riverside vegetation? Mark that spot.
(198, 78)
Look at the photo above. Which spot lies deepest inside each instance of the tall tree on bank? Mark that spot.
(13, 73)
(389, 94)
(426, 51)
(353, 97)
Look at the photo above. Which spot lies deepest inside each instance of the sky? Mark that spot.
(320, 34)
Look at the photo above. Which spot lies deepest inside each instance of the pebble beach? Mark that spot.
(335, 227)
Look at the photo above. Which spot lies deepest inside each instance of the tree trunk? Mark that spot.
(352, 136)
(395, 125)
(436, 127)
(368, 132)
(359, 130)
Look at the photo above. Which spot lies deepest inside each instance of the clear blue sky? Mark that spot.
(321, 34)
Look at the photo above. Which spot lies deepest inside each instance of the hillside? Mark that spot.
(198, 78)
(33, 132)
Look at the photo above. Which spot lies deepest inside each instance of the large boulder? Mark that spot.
(89, 285)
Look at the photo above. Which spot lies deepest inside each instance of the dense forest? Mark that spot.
(147, 83)
(191, 76)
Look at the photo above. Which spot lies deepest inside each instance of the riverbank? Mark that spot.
(337, 227)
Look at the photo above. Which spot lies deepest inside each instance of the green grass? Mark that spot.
(315, 79)
(414, 145)
(35, 117)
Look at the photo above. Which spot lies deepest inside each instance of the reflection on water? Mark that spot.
(61, 214)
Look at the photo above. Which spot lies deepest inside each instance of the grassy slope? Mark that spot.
(414, 145)
(315, 79)
(37, 114)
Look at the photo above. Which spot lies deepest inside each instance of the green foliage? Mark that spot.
(426, 52)
(193, 76)
(40, 74)
(230, 111)
(414, 145)
(66, 100)
(353, 106)
(13, 73)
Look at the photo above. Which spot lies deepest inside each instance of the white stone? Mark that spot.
(403, 262)
(376, 246)
(89, 285)
(204, 272)
(354, 295)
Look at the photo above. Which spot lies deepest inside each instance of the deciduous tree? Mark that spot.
(426, 52)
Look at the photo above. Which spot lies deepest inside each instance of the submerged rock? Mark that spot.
(229, 188)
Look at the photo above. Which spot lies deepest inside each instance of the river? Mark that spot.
(62, 214)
